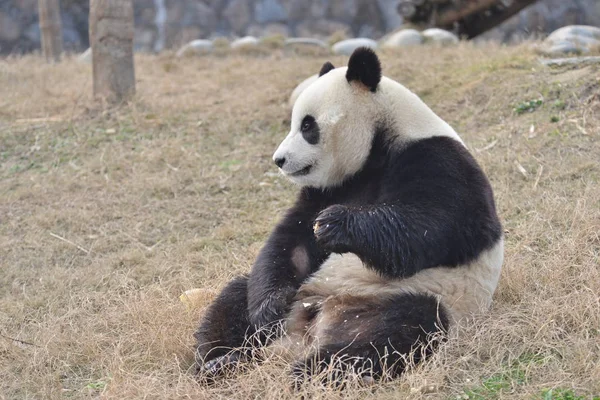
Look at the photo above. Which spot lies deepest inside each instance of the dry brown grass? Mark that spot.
(107, 217)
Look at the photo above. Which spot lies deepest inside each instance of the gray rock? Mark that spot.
(368, 21)
(9, 29)
(347, 47)
(320, 28)
(196, 48)
(291, 42)
(266, 11)
(300, 88)
(268, 30)
(439, 36)
(404, 38)
(389, 13)
(576, 39)
(343, 10)
(85, 57)
(245, 42)
(238, 14)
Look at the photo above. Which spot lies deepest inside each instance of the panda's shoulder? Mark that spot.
(435, 156)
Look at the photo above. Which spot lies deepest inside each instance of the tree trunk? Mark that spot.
(111, 38)
(51, 28)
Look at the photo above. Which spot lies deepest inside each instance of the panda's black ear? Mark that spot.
(326, 68)
(364, 66)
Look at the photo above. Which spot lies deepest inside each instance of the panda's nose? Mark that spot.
(280, 161)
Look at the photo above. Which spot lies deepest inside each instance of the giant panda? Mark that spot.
(392, 241)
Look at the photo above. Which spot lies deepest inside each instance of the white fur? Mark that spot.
(464, 290)
(347, 115)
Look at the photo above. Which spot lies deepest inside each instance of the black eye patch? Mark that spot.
(310, 129)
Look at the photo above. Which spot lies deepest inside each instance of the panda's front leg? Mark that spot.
(378, 234)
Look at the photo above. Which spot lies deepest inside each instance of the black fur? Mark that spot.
(411, 207)
(326, 68)
(364, 66)
(391, 330)
(225, 325)
(310, 129)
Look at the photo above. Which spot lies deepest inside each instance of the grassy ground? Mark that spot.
(106, 217)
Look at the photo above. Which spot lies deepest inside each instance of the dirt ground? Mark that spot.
(107, 217)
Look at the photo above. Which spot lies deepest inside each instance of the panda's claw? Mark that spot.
(330, 229)
(219, 366)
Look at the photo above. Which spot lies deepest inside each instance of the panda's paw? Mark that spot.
(218, 366)
(331, 229)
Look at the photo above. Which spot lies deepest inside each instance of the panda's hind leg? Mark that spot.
(372, 338)
(224, 330)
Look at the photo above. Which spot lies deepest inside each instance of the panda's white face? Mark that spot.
(333, 123)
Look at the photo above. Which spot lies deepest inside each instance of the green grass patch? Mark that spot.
(528, 106)
(564, 394)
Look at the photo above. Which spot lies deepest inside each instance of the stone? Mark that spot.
(143, 40)
(389, 13)
(9, 29)
(300, 88)
(245, 42)
(306, 46)
(274, 29)
(577, 39)
(321, 28)
(291, 42)
(203, 17)
(86, 56)
(238, 14)
(196, 48)
(404, 38)
(368, 21)
(343, 10)
(439, 36)
(347, 47)
(266, 11)
(300, 10)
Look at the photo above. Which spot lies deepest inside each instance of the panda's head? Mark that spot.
(333, 124)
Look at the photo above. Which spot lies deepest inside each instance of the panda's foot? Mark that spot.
(219, 366)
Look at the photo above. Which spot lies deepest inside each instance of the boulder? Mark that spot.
(274, 29)
(343, 10)
(267, 11)
(10, 29)
(439, 36)
(196, 48)
(389, 13)
(321, 28)
(575, 39)
(86, 56)
(244, 43)
(307, 46)
(404, 38)
(308, 42)
(347, 47)
(300, 88)
(239, 15)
